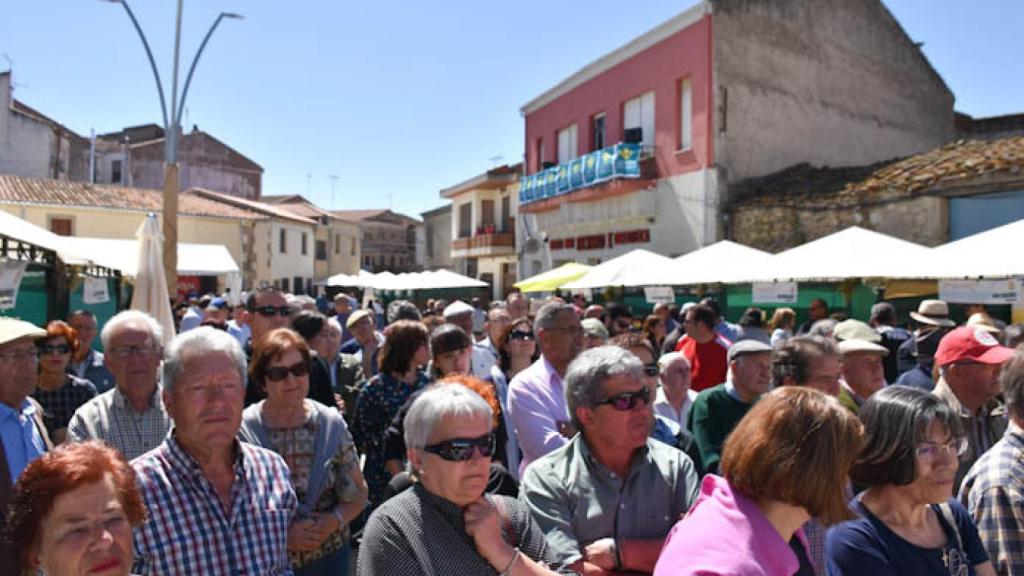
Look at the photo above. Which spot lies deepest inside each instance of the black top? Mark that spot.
(419, 533)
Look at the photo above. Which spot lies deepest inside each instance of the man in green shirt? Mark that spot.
(716, 410)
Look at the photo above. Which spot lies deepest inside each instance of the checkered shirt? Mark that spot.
(111, 419)
(58, 405)
(189, 531)
(993, 493)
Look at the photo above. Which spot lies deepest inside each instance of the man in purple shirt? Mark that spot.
(536, 399)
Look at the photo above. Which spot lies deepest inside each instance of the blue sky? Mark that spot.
(398, 99)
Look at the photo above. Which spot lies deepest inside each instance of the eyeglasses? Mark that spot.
(520, 335)
(270, 311)
(462, 449)
(932, 451)
(627, 400)
(123, 352)
(23, 354)
(278, 373)
(51, 348)
(651, 369)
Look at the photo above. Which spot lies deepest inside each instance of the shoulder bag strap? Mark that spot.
(947, 513)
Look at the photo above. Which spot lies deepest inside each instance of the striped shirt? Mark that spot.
(190, 532)
(993, 492)
(110, 418)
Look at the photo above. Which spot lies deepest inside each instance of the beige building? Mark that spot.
(437, 232)
(337, 243)
(390, 241)
(483, 226)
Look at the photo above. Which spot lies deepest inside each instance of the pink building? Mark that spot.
(727, 90)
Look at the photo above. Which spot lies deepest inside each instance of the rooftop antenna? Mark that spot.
(334, 180)
(10, 63)
(496, 160)
(309, 184)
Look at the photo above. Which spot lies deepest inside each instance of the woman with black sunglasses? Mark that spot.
(517, 350)
(445, 524)
(57, 391)
(315, 443)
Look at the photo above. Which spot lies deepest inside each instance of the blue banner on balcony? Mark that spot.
(576, 173)
(627, 160)
(620, 160)
(590, 167)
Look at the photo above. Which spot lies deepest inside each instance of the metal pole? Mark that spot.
(171, 184)
(152, 62)
(192, 68)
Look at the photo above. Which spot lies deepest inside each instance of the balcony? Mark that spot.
(486, 242)
(604, 168)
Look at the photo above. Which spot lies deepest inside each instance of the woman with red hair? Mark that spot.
(73, 511)
(59, 392)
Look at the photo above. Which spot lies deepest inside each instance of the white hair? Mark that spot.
(131, 317)
(667, 360)
(203, 339)
(437, 403)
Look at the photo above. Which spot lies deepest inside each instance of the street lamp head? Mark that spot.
(234, 15)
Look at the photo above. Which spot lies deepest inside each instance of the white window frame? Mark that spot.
(567, 144)
(685, 114)
(639, 113)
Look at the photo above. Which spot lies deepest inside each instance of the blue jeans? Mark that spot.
(334, 564)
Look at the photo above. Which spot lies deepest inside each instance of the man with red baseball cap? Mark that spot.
(969, 359)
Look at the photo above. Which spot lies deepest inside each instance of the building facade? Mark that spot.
(725, 91)
(483, 230)
(390, 241)
(337, 243)
(135, 157)
(437, 234)
(36, 146)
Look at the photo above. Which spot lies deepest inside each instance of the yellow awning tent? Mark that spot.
(553, 279)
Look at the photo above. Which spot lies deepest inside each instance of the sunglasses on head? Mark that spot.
(277, 373)
(270, 311)
(651, 369)
(51, 348)
(462, 449)
(520, 335)
(627, 400)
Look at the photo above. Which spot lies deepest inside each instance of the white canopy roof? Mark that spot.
(123, 255)
(719, 262)
(425, 280)
(629, 269)
(14, 227)
(850, 253)
(990, 254)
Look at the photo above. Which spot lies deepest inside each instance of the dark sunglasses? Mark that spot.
(278, 373)
(51, 348)
(462, 449)
(627, 400)
(651, 369)
(520, 335)
(270, 311)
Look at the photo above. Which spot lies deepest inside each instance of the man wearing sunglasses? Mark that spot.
(969, 360)
(717, 410)
(607, 499)
(268, 309)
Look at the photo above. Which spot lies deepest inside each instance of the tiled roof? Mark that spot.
(252, 205)
(382, 215)
(296, 204)
(956, 163)
(22, 190)
(959, 163)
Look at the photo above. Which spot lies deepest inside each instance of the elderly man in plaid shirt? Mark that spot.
(993, 490)
(216, 506)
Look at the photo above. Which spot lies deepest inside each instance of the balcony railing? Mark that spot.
(622, 160)
(494, 240)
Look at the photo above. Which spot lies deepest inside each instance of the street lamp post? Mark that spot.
(172, 129)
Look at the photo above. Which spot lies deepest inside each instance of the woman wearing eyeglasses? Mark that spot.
(909, 523)
(444, 524)
(57, 391)
(316, 445)
(517, 350)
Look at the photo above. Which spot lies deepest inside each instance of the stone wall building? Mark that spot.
(932, 198)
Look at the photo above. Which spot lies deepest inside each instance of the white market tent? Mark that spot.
(14, 227)
(988, 254)
(123, 255)
(426, 280)
(719, 262)
(628, 269)
(850, 253)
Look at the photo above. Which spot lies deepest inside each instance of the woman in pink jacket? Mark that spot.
(786, 462)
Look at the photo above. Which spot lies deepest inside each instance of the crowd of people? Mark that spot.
(288, 435)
